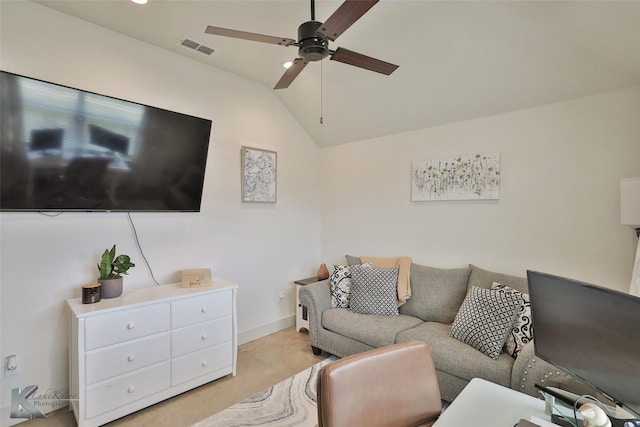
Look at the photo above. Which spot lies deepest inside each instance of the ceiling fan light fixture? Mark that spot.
(140, 1)
(314, 51)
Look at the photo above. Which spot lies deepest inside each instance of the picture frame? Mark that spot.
(259, 175)
(474, 177)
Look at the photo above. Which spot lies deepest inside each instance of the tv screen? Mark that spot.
(591, 332)
(65, 149)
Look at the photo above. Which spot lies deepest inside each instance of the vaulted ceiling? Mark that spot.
(458, 59)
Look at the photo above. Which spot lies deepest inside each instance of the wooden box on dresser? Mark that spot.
(149, 344)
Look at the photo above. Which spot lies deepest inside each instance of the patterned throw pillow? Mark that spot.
(485, 319)
(374, 291)
(340, 279)
(522, 331)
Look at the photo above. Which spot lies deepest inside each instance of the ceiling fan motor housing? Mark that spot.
(313, 46)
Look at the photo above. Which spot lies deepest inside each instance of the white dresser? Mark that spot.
(147, 345)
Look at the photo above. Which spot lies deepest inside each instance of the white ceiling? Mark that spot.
(458, 59)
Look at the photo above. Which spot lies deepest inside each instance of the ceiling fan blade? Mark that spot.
(249, 36)
(363, 61)
(348, 13)
(291, 73)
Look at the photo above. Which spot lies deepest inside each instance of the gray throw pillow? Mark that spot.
(436, 293)
(374, 291)
(485, 319)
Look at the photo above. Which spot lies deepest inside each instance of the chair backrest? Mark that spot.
(83, 176)
(392, 386)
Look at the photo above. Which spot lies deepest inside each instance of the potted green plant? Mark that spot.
(111, 269)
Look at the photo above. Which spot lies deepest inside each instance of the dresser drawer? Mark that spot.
(105, 396)
(107, 362)
(199, 363)
(201, 335)
(206, 307)
(125, 325)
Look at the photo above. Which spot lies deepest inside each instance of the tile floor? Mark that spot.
(261, 363)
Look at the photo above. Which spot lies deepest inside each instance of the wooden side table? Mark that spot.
(302, 317)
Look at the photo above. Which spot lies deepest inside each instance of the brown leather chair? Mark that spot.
(392, 386)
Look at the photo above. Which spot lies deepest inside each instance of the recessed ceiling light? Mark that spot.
(287, 64)
(140, 1)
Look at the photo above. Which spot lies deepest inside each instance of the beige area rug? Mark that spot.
(290, 403)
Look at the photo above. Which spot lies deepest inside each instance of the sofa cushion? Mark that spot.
(436, 293)
(458, 358)
(375, 331)
(485, 278)
(352, 260)
(374, 290)
(485, 319)
(522, 330)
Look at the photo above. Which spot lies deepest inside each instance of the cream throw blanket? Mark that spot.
(403, 264)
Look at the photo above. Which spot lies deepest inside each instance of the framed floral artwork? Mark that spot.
(475, 177)
(259, 175)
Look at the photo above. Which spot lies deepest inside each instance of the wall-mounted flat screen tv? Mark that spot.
(591, 332)
(66, 149)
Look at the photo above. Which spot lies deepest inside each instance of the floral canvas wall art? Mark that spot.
(259, 169)
(475, 177)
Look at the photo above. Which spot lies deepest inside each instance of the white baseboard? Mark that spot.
(264, 330)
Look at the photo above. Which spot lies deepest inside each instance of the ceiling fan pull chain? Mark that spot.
(321, 78)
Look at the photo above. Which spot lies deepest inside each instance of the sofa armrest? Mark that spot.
(529, 370)
(317, 298)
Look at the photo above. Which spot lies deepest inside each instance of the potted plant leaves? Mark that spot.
(111, 269)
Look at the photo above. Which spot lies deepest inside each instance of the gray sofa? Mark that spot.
(436, 296)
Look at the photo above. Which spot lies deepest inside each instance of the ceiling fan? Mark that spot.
(313, 41)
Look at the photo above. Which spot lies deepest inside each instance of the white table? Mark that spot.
(485, 404)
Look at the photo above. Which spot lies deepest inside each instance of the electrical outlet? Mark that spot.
(11, 366)
(281, 297)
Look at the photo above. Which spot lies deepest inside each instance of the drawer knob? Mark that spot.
(204, 363)
(131, 325)
(131, 389)
(131, 357)
(204, 337)
(204, 309)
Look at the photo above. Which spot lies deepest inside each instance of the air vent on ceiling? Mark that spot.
(195, 45)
